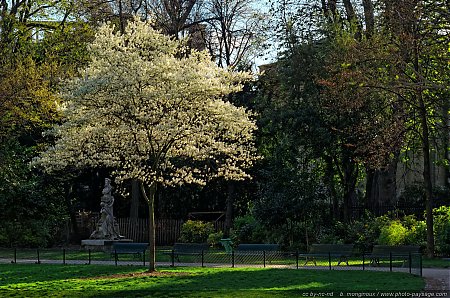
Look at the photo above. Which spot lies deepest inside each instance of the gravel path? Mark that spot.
(437, 279)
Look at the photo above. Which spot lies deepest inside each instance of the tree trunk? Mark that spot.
(369, 17)
(381, 187)
(426, 156)
(427, 177)
(329, 183)
(150, 199)
(229, 211)
(134, 206)
(350, 11)
(72, 215)
(350, 179)
(121, 18)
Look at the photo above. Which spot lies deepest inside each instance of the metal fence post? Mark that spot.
(203, 257)
(264, 258)
(296, 258)
(232, 258)
(329, 260)
(143, 257)
(363, 257)
(390, 261)
(38, 258)
(172, 255)
(89, 256)
(15, 255)
(410, 261)
(420, 261)
(64, 256)
(115, 257)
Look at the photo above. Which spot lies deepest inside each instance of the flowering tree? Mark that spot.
(153, 110)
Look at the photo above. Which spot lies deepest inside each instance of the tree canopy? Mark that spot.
(153, 110)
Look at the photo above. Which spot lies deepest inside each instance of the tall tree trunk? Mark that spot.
(349, 10)
(71, 209)
(329, 183)
(229, 210)
(134, 206)
(350, 177)
(426, 156)
(427, 177)
(381, 186)
(369, 17)
(121, 18)
(150, 199)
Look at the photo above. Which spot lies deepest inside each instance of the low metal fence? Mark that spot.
(411, 263)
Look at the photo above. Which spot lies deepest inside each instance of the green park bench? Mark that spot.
(249, 252)
(403, 252)
(255, 248)
(188, 249)
(136, 249)
(341, 251)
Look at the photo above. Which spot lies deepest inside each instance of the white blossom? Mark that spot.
(153, 110)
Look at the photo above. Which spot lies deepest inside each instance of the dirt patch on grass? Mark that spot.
(138, 274)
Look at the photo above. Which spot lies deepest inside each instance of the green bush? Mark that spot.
(441, 218)
(196, 231)
(393, 234)
(28, 233)
(246, 229)
(417, 231)
(214, 239)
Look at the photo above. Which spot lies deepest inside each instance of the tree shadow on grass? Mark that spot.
(30, 273)
(264, 282)
(212, 282)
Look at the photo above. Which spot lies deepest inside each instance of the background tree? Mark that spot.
(38, 48)
(155, 114)
(233, 32)
(420, 31)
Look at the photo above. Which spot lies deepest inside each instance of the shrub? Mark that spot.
(393, 234)
(29, 233)
(195, 231)
(441, 217)
(214, 239)
(246, 229)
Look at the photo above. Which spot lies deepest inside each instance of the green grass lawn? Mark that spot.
(20, 280)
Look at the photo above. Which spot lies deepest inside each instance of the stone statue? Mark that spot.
(107, 228)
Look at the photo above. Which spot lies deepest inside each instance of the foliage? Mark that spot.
(153, 110)
(414, 195)
(195, 231)
(214, 239)
(441, 217)
(155, 113)
(388, 230)
(393, 234)
(32, 207)
(27, 233)
(246, 229)
(26, 99)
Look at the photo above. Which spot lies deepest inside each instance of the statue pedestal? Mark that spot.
(101, 244)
